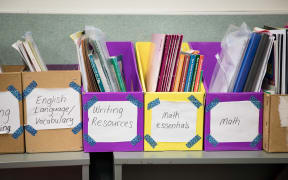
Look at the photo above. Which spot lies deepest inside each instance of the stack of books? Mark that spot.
(29, 53)
(171, 70)
(264, 64)
(100, 72)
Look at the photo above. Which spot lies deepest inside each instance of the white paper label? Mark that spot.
(9, 113)
(173, 121)
(54, 108)
(234, 121)
(112, 121)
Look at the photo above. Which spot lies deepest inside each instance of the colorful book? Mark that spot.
(183, 74)
(178, 73)
(190, 73)
(198, 75)
(96, 73)
(247, 62)
(169, 60)
(195, 73)
(175, 63)
(168, 40)
(117, 71)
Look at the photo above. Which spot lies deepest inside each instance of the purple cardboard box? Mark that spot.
(233, 121)
(113, 121)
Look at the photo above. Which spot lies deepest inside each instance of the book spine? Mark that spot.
(163, 63)
(176, 63)
(118, 74)
(190, 73)
(199, 69)
(96, 73)
(201, 80)
(183, 74)
(195, 73)
(178, 74)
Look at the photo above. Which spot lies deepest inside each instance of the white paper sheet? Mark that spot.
(54, 108)
(234, 121)
(9, 113)
(173, 121)
(112, 121)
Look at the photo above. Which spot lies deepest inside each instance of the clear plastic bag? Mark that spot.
(99, 40)
(233, 47)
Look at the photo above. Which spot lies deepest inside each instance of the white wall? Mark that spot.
(145, 6)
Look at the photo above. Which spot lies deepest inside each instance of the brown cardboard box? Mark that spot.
(51, 140)
(13, 68)
(8, 144)
(274, 136)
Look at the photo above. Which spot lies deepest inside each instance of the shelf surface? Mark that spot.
(200, 157)
(44, 160)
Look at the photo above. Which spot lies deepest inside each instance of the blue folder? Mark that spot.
(247, 62)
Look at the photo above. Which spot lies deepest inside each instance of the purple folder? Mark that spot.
(214, 100)
(134, 95)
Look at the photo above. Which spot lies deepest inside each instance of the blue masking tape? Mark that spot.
(150, 140)
(212, 140)
(75, 86)
(255, 101)
(18, 132)
(77, 128)
(90, 103)
(153, 103)
(89, 140)
(31, 130)
(136, 140)
(29, 89)
(15, 92)
(255, 141)
(195, 101)
(212, 104)
(193, 141)
(134, 101)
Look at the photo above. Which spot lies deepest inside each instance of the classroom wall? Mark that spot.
(51, 31)
(143, 7)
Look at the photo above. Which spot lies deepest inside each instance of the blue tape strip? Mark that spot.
(193, 141)
(255, 101)
(212, 104)
(15, 92)
(18, 132)
(77, 128)
(75, 86)
(90, 103)
(31, 130)
(89, 140)
(134, 101)
(150, 140)
(255, 141)
(153, 103)
(212, 140)
(136, 140)
(195, 101)
(29, 88)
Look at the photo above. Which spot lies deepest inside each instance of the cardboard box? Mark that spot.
(113, 121)
(275, 132)
(233, 121)
(52, 111)
(173, 120)
(11, 113)
(13, 68)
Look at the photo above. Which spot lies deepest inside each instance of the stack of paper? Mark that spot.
(30, 54)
